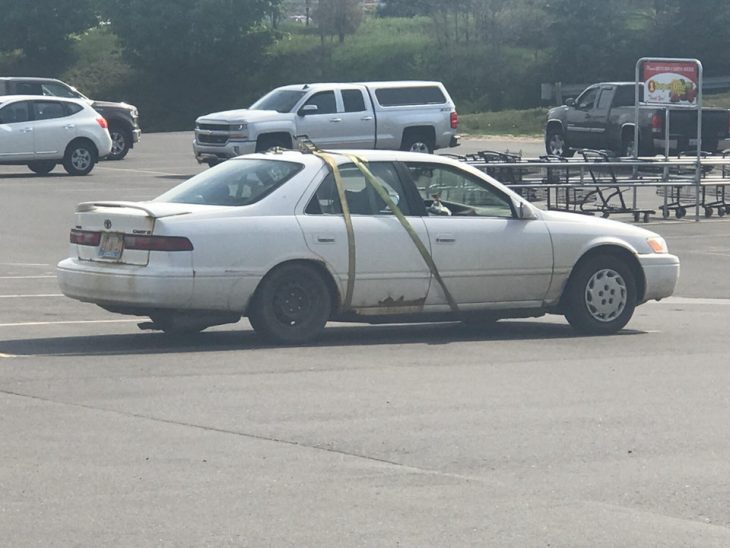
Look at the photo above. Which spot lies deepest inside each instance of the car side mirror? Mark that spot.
(570, 102)
(524, 210)
(308, 110)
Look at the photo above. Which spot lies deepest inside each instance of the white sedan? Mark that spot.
(420, 238)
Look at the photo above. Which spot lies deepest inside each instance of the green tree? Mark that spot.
(41, 31)
(338, 17)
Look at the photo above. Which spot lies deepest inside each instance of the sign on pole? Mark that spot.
(671, 82)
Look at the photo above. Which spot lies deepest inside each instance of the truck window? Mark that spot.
(28, 88)
(604, 100)
(280, 100)
(587, 99)
(58, 90)
(353, 100)
(420, 95)
(325, 102)
(625, 96)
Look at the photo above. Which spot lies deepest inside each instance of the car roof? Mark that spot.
(8, 98)
(384, 84)
(29, 79)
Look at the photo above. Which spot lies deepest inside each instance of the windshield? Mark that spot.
(280, 100)
(233, 183)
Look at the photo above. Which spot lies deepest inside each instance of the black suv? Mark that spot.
(121, 117)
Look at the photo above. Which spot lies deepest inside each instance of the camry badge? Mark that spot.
(107, 224)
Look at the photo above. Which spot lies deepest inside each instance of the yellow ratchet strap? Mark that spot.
(330, 161)
(373, 181)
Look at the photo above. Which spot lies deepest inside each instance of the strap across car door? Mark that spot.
(383, 193)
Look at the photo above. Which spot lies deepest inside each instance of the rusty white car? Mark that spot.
(423, 237)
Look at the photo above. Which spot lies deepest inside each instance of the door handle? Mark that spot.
(69, 126)
(335, 120)
(366, 119)
(326, 239)
(445, 239)
(26, 130)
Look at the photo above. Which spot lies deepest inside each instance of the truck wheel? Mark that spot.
(42, 167)
(417, 142)
(627, 145)
(121, 142)
(80, 158)
(555, 144)
(267, 143)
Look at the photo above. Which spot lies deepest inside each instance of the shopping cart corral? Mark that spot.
(595, 182)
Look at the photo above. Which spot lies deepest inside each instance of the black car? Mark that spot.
(123, 119)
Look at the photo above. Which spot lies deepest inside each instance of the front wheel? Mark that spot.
(80, 158)
(42, 167)
(292, 304)
(555, 144)
(601, 295)
(121, 142)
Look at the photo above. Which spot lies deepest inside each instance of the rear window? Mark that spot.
(421, 95)
(624, 96)
(233, 183)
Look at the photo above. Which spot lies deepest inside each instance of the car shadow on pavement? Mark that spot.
(333, 336)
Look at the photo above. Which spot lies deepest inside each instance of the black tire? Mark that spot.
(121, 142)
(627, 145)
(417, 141)
(555, 144)
(213, 163)
(601, 295)
(292, 304)
(42, 167)
(79, 158)
(267, 143)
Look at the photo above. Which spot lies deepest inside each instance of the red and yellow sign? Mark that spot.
(670, 82)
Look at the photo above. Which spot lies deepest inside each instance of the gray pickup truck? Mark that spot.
(603, 116)
(407, 115)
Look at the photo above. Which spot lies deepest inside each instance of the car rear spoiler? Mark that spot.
(151, 211)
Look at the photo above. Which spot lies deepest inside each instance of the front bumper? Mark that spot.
(136, 135)
(217, 153)
(661, 272)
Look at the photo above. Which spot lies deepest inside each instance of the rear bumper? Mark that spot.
(125, 285)
(455, 141)
(661, 272)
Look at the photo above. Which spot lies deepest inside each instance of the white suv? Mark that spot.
(41, 132)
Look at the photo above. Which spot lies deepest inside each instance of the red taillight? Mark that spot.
(157, 243)
(102, 122)
(454, 120)
(84, 237)
(657, 123)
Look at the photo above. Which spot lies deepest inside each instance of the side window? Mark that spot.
(604, 100)
(14, 113)
(448, 190)
(28, 88)
(419, 95)
(47, 110)
(57, 90)
(587, 99)
(325, 101)
(353, 100)
(72, 108)
(362, 198)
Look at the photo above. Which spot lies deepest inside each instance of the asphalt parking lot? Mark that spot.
(413, 435)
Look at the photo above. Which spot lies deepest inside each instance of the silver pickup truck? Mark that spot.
(409, 115)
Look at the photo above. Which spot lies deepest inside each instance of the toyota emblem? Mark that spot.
(107, 224)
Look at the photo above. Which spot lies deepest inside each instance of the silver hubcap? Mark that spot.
(605, 295)
(419, 147)
(117, 143)
(81, 159)
(557, 145)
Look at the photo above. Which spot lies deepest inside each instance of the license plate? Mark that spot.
(111, 246)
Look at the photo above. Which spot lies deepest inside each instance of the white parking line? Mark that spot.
(26, 277)
(695, 300)
(24, 264)
(66, 322)
(142, 171)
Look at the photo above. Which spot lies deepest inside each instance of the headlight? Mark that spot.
(657, 244)
(239, 131)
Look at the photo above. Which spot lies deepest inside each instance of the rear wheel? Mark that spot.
(601, 295)
(80, 158)
(42, 167)
(417, 141)
(292, 304)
